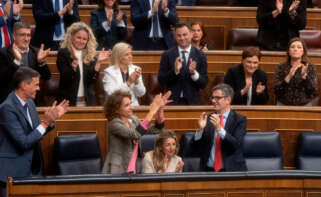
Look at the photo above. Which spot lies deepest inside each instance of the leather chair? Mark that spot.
(262, 151)
(312, 39)
(148, 142)
(309, 151)
(77, 154)
(240, 38)
(189, 155)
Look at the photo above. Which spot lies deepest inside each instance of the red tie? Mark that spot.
(5, 32)
(218, 150)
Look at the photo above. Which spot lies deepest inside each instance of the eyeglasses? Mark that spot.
(217, 97)
(24, 35)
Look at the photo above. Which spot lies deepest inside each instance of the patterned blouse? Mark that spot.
(299, 91)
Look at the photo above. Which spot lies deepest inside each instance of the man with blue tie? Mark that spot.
(53, 17)
(21, 128)
(183, 69)
(220, 136)
(152, 20)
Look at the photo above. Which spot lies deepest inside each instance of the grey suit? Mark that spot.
(120, 144)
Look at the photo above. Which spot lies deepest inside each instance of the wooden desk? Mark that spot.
(223, 19)
(288, 121)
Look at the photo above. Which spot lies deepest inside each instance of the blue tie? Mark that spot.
(58, 30)
(155, 23)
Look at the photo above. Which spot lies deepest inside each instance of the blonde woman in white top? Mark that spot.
(122, 74)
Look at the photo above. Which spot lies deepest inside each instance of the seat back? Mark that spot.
(189, 154)
(309, 151)
(240, 38)
(262, 151)
(148, 142)
(77, 154)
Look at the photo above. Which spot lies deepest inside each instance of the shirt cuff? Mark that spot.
(16, 62)
(42, 64)
(198, 135)
(41, 129)
(166, 13)
(105, 26)
(195, 76)
(149, 14)
(145, 124)
(16, 17)
(122, 24)
(222, 133)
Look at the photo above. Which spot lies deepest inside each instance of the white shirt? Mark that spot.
(62, 25)
(81, 89)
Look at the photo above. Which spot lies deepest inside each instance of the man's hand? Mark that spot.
(6, 9)
(279, 5)
(42, 54)
(178, 64)
(17, 7)
(215, 120)
(192, 66)
(164, 5)
(55, 111)
(294, 5)
(155, 7)
(16, 52)
(202, 121)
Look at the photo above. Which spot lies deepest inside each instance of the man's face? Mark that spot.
(22, 38)
(183, 37)
(30, 89)
(220, 102)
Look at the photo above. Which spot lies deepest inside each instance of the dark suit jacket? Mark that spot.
(8, 68)
(20, 149)
(139, 18)
(183, 82)
(69, 79)
(107, 39)
(46, 18)
(232, 151)
(271, 28)
(235, 77)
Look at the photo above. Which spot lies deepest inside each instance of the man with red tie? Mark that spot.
(220, 135)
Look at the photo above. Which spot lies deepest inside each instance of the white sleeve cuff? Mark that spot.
(105, 26)
(198, 135)
(196, 76)
(41, 129)
(149, 14)
(166, 13)
(122, 24)
(16, 62)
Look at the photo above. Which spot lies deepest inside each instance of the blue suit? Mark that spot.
(183, 81)
(20, 149)
(139, 18)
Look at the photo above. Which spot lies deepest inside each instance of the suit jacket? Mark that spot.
(275, 33)
(107, 39)
(46, 18)
(235, 77)
(183, 82)
(120, 144)
(113, 81)
(20, 149)
(8, 68)
(232, 151)
(69, 79)
(139, 18)
(148, 166)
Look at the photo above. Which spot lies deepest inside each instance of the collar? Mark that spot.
(20, 100)
(225, 115)
(25, 51)
(188, 49)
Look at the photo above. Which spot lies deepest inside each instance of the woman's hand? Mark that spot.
(248, 84)
(260, 88)
(179, 166)
(304, 71)
(292, 72)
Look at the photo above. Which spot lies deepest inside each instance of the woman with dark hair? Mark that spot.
(296, 81)
(108, 23)
(163, 159)
(248, 80)
(125, 130)
(199, 37)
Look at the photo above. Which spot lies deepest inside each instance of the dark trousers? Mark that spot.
(3, 189)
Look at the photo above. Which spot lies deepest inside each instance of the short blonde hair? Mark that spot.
(89, 52)
(118, 51)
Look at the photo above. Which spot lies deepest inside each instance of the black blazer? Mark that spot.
(235, 77)
(232, 144)
(46, 18)
(183, 82)
(8, 68)
(69, 79)
(269, 28)
(107, 39)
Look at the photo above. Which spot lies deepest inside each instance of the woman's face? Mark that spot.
(80, 39)
(126, 108)
(250, 64)
(127, 58)
(109, 3)
(197, 32)
(169, 147)
(296, 50)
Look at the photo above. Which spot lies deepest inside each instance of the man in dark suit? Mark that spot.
(21, 128)
(152, 20)
(220, 135)
(20, 54)
(183, 69)
(52, 20)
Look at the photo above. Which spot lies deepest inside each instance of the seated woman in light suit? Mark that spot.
(125, 130)
(163, 158)
(122, 74)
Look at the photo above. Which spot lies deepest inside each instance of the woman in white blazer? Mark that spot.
(122, 74)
